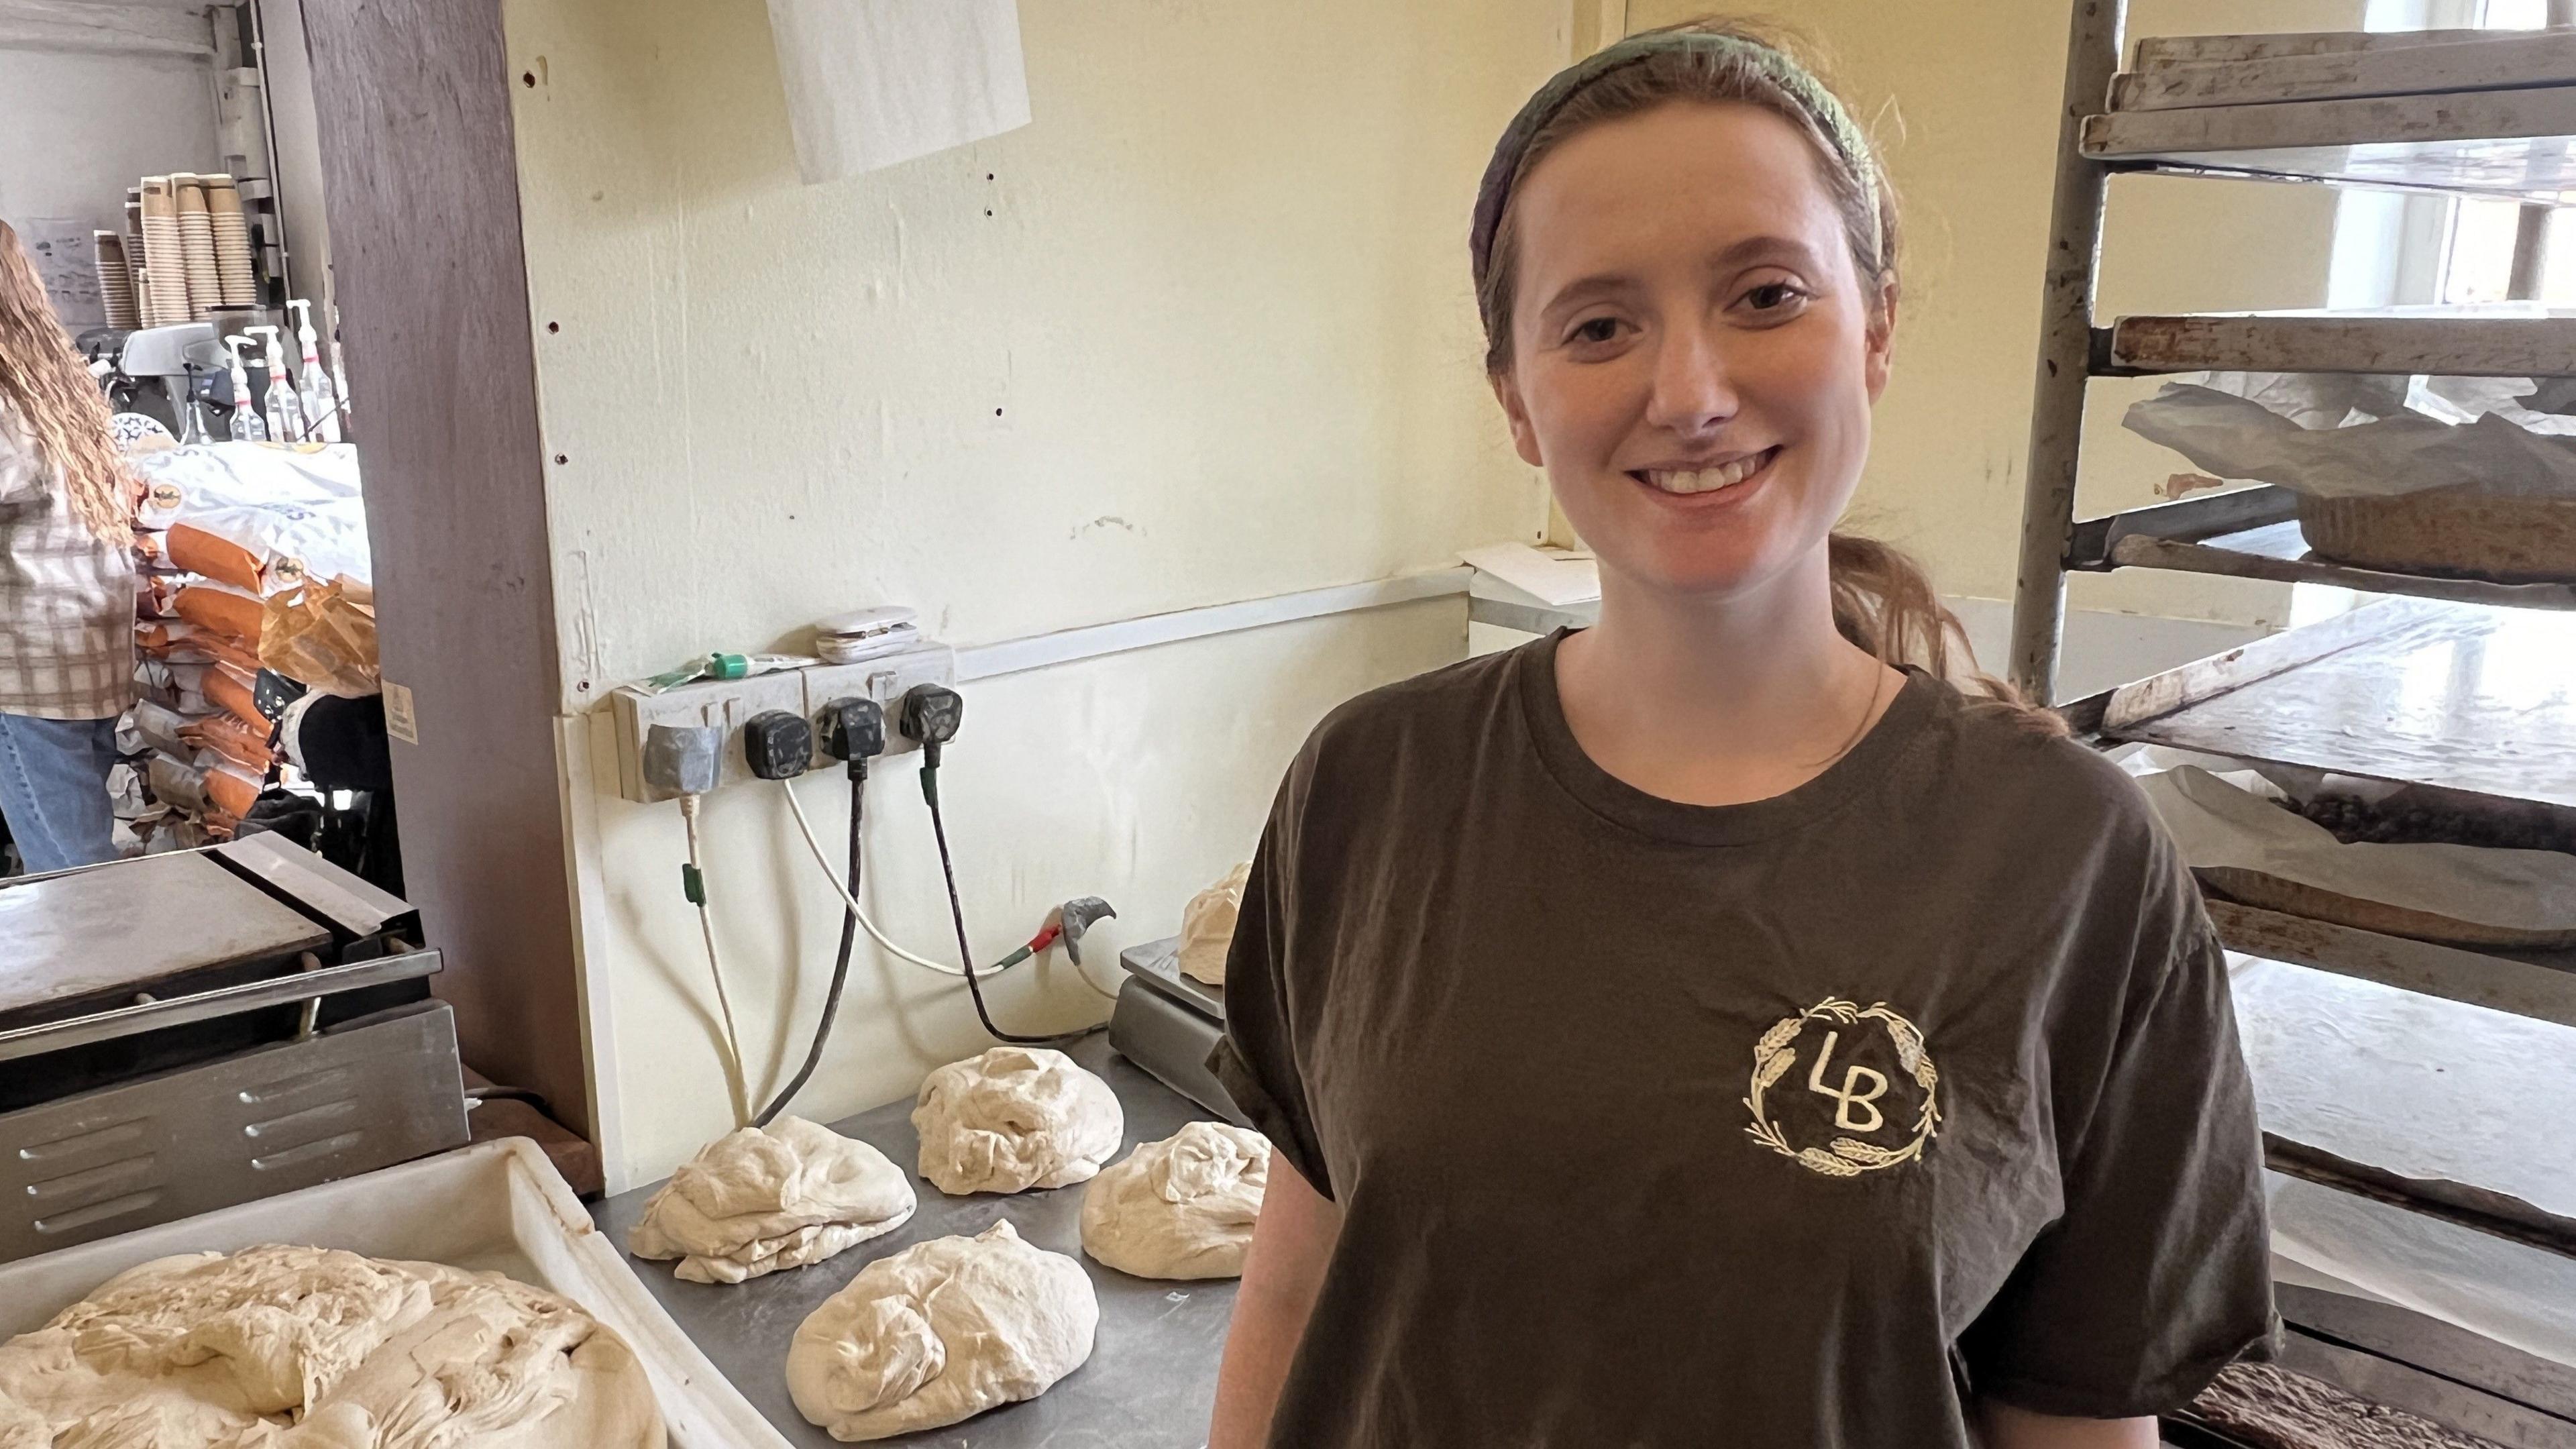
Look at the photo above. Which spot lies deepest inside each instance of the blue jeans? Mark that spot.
(53, 789)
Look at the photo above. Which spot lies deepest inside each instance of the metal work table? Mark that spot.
(1151, 1381)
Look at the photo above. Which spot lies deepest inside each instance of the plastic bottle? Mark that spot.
(339, 370)
(247, 427)
(312, 384)
(285, 414)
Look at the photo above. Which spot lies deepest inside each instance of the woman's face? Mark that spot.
(1693, 353)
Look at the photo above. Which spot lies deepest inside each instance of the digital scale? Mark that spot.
(1167, 1023)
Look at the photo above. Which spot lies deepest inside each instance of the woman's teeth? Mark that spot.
(1708, 480)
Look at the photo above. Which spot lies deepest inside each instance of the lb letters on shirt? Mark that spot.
(1864, 1118)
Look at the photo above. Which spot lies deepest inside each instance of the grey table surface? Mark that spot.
(1151, 1380)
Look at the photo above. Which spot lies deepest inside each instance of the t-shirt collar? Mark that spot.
(1624, 804)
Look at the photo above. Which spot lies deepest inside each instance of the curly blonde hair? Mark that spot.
(44, 383)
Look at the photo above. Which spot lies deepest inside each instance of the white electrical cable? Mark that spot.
(735, 1081)
(850, 903)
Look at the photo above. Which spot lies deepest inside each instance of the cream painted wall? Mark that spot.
(1964, 99)
(1200, 333)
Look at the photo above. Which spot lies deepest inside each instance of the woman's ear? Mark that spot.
(1880, 337)
(1524, 437)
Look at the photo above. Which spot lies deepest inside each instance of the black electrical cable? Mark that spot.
(957, 912)
(840, 962)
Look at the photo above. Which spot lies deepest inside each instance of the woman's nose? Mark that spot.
(1693, 394)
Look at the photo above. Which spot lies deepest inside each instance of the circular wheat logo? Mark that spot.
(1856, 1094)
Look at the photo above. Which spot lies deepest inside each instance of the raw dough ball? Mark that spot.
(495, 1364)
(761, 1199)
(1182, 1207)
(1015, 1118)
(313, 1348)
(941, 1332)
(1207, 926)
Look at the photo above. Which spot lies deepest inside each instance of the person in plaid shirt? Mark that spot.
(66, 584)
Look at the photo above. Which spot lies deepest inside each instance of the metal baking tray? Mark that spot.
(2473, 701)
(2506, 144)
(2508, 339)
(498, 1207)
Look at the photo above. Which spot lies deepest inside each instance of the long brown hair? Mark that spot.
(43, 382)
(1882, 599)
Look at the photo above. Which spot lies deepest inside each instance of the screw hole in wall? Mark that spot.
(560, 458)
(527, 78)
(997, 412)
(554, 327)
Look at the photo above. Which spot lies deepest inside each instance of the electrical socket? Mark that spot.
(884, 680)
(729, 703)
(723, 703)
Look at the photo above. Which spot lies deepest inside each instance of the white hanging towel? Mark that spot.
(874, 82)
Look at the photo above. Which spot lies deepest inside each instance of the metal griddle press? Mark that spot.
(183, 1032)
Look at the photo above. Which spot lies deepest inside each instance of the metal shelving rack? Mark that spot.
(2432, 692)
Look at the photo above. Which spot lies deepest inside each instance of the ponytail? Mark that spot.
(1884, 603)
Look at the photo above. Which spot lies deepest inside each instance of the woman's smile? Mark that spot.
(1735, 477)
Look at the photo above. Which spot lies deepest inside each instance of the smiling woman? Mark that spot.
(1845, 239)
(1719, 1023)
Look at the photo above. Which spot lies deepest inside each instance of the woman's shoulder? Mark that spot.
(2018, 767)
(1432, 717)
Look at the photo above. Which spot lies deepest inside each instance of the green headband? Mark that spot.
(1772, 64)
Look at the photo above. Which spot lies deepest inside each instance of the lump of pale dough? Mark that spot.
(1207, 926)
(313, 1348)
(761, 1199)
(1182, 1207)
(1015, 1118)
(941, 1332)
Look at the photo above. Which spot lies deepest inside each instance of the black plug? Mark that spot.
(778, 745)
(852, 728)
(930, 717)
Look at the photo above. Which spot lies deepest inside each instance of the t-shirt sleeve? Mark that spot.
(2158, 1273)
(1256, 1060)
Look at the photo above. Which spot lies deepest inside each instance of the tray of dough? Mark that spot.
(498, 1206)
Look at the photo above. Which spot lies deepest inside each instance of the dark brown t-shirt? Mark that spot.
(1791, 1123)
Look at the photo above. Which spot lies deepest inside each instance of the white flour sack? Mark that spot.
(181, 482)
(270, 548)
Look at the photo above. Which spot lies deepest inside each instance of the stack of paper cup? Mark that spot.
(232, 243)
(165, 267)
(134, 252)
(197, 241)
(115, 280)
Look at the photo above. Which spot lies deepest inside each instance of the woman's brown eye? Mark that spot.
(1770, 295)
(1599, 329)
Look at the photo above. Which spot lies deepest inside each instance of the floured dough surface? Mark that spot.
(1207, 926)
(1182, 1207)
(314, 1348)
(761, 1199)
(1013, 1119)
(941, 1332)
